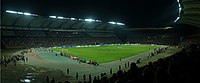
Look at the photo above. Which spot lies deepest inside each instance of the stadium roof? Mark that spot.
(137, 13)
(24, 20)
(191, 14)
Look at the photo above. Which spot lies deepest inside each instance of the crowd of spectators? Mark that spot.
(31, 42)
(19, 57)
(79, 59)
(39, 38)
(159, 41)
(157, 51)
(182, 67)
(51, 42)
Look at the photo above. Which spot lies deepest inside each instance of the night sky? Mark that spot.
(134, 13)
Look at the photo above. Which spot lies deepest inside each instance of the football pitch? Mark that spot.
(103, 54)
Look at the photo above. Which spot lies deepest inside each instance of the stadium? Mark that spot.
(37, 48)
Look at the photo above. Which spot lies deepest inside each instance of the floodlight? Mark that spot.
(89, 20)
(59, 17)
(80, 19)
(179, 5)
(20, 13)
(112, 22)
(180, 8)
(167, 27)
(98, 20)
(52, 16)
(34, 14)
(8, 11)
(27, 80)
(73, 18)
(177, 19)
(120, 23)
(27, 13)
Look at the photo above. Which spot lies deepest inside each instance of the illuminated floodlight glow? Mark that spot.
(27, 13)
(52, 16)
(27, 80)
(73, 18)
(167, 27)
(177, 19)
(20, 13)
(98, 20)
(179, 5)
(34, 15)
(80, 19)
(59, 17)
(112, 22)
(118, 23)
(8, 11)
(89, 20)
(180, 8)
(179, 11)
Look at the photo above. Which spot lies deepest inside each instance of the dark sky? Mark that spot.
(134, 13)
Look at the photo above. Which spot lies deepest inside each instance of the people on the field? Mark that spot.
(138, 61)
(4, 60)
(67, 70)
(119, 67)
(90, 78)
(76, 75)
(110, 70)
(84, 77)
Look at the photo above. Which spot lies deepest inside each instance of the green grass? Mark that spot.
(103, 54)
